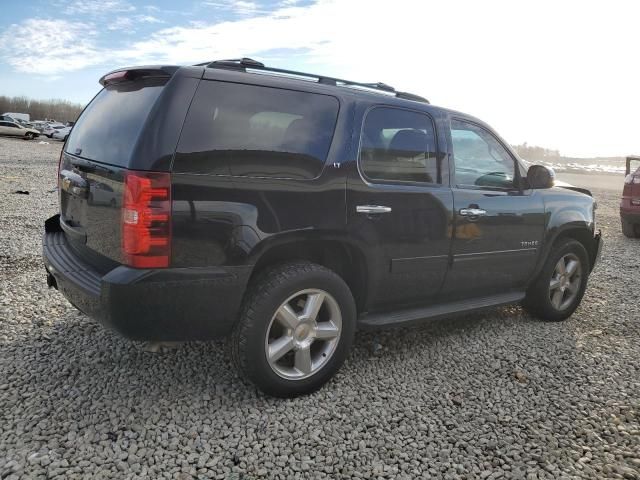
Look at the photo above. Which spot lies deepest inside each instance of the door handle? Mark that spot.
(372, 209)
(472, 212)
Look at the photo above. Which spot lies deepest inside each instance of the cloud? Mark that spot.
(148, 19)
(239, 7)
(290, 28)
(521, 62)
(128, 23)
(53, 46)
(97, 7)
(121, 23)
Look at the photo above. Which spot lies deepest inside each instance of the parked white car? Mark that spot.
(52, 127)
(39, 125)
(16, 130)
(61, 133)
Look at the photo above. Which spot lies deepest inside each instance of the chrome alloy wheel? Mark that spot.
(303, 334)
(565, 281)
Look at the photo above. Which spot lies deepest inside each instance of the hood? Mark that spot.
(568, 186)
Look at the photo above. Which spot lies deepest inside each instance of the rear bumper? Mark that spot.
(631, 215)
(169, 304)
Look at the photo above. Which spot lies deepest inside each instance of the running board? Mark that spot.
(414, 315)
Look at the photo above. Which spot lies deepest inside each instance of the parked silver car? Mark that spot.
(16, 130)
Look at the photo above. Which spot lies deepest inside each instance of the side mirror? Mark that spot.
(539, 176)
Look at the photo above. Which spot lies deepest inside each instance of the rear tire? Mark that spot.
(629, 229)
(295, 329)
(559, 288)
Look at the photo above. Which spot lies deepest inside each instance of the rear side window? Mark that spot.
(248, 130)
(109, 127)
(399, 145)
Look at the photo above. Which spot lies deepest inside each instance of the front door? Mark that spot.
(399, 206)
(498, 222)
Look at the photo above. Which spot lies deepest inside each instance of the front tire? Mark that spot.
(629, 229)
(295, 330)
(561, 284)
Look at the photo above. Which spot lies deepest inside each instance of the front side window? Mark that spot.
(399, 145)
(480, 159)
(255, 131)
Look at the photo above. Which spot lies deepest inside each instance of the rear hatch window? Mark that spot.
(109, 127)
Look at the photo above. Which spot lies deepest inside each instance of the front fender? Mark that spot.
(569, 214)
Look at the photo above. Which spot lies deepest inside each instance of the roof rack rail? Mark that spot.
(248, 63)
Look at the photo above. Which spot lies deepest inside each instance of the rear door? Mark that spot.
(399, 206)
(498, 225)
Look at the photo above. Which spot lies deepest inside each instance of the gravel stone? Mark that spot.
(496, 394)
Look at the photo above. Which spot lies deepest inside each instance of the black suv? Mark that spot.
(285, 210)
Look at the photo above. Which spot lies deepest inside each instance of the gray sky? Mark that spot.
(559, 74)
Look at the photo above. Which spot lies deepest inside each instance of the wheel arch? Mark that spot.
(583, 235)
(581, 231)
(332, 251)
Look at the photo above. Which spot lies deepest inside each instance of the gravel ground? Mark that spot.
(491, 395)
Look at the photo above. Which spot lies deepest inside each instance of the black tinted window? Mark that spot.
(480, 159)
(257, 131)
(399, 145)
(108, 129)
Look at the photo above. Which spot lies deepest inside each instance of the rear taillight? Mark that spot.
(146, 219)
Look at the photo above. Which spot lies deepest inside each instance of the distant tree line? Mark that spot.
(60, 110)
(532, 153)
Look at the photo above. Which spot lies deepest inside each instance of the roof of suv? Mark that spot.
(334, 86)
(250, 65)
(246, 70)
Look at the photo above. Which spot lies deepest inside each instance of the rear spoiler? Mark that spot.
(135, 73)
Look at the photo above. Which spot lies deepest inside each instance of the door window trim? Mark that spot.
(440, 155)
(518, 180)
